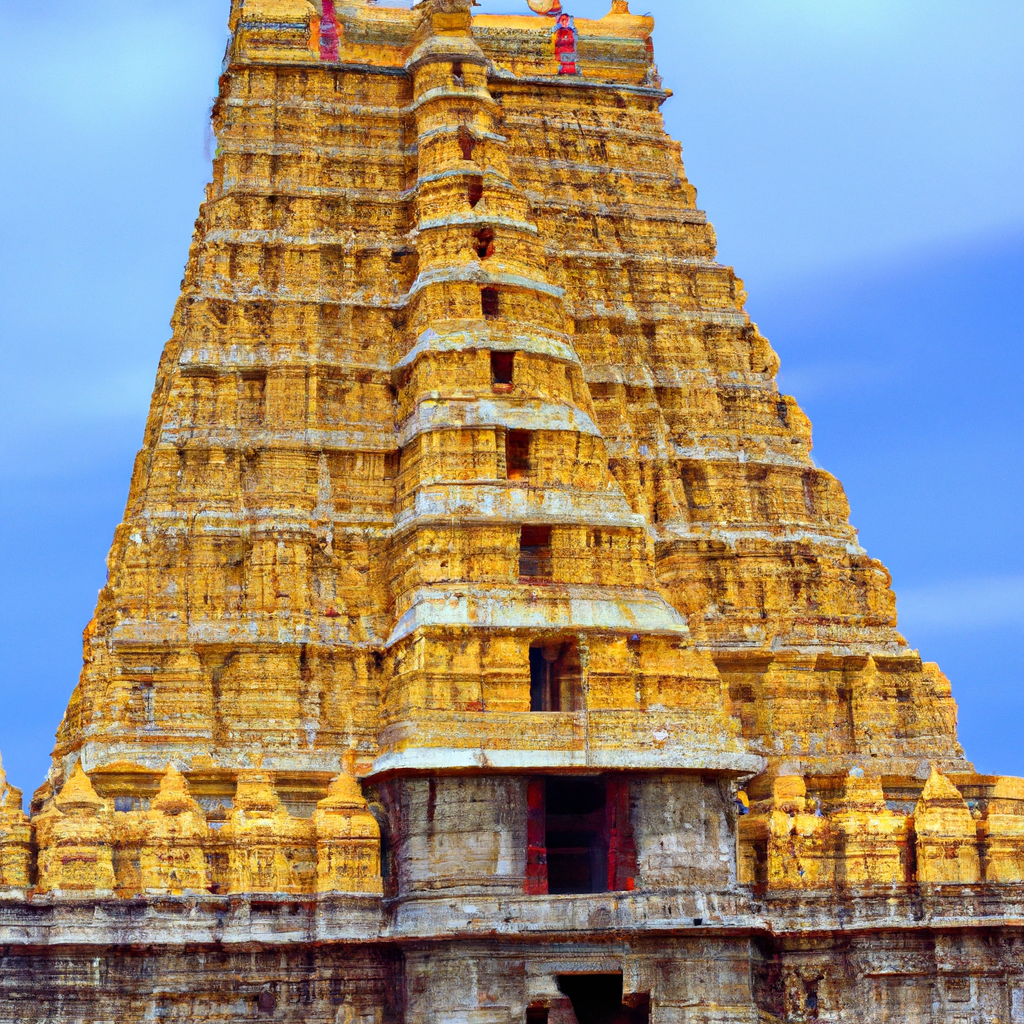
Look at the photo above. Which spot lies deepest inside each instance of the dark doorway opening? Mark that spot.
(476, 190)
(458, 74)
(502, 368)
(537, 1015)
(535, 553)
(545, 692)
(598, 999)
(576, 838)
(517, 454)
(489, 303)
(579, 835)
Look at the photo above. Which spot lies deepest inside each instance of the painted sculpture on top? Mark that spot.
(552, 8)
(329, 34)
(566, 39)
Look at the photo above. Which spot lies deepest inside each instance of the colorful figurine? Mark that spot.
(566, 39)
(329, 34)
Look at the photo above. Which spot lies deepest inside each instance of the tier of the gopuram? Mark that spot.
(481, 643)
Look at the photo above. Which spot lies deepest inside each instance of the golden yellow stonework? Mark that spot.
(473, 566)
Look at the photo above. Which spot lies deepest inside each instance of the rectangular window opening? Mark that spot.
(458, 74)
(489, 303)
(556, 679)
(517, 454)
(476, 190)
(545, 693)
(535, 553)
(537, 1015)
(599, 999)
(580, 836)
(502, 366)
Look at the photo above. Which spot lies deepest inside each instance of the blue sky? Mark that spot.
(861, 160)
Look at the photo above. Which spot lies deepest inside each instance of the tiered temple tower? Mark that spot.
(475, 583)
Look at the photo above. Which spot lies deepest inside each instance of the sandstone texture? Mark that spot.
(481, 643)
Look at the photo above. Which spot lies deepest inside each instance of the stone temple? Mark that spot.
(481, 644)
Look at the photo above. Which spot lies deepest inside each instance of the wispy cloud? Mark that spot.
(962, 605)
(806, 382)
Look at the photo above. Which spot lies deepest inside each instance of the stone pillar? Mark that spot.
(947, 834)
(75, 840)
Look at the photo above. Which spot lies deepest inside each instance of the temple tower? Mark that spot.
(481, 642)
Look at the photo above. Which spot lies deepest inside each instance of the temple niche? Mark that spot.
(480, 642)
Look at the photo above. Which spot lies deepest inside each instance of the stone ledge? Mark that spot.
(261, 920)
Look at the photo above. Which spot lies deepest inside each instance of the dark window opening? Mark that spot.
(535, 553)
(811, 1002)
(545, 685)
(598, 999)
(502, 365)
(517, 454)
(458, 74)
(466, 143)
(556, 679)
(485, 243)
(489, 303)
(537, 1015)
(476, 191)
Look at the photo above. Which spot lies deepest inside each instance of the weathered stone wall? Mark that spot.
(201, 986)
(879, 977)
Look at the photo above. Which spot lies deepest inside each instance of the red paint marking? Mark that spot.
(536, 840)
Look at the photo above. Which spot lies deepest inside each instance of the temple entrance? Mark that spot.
(598, 999)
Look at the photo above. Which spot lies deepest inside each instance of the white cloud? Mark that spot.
(962, 605)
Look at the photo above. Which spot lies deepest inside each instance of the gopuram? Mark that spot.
(481, 644)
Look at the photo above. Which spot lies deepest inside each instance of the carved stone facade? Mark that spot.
(475, 581)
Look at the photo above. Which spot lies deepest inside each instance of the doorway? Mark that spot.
(598, 999)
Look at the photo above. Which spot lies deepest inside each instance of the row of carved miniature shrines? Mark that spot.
(789, 842)
(77, 844)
